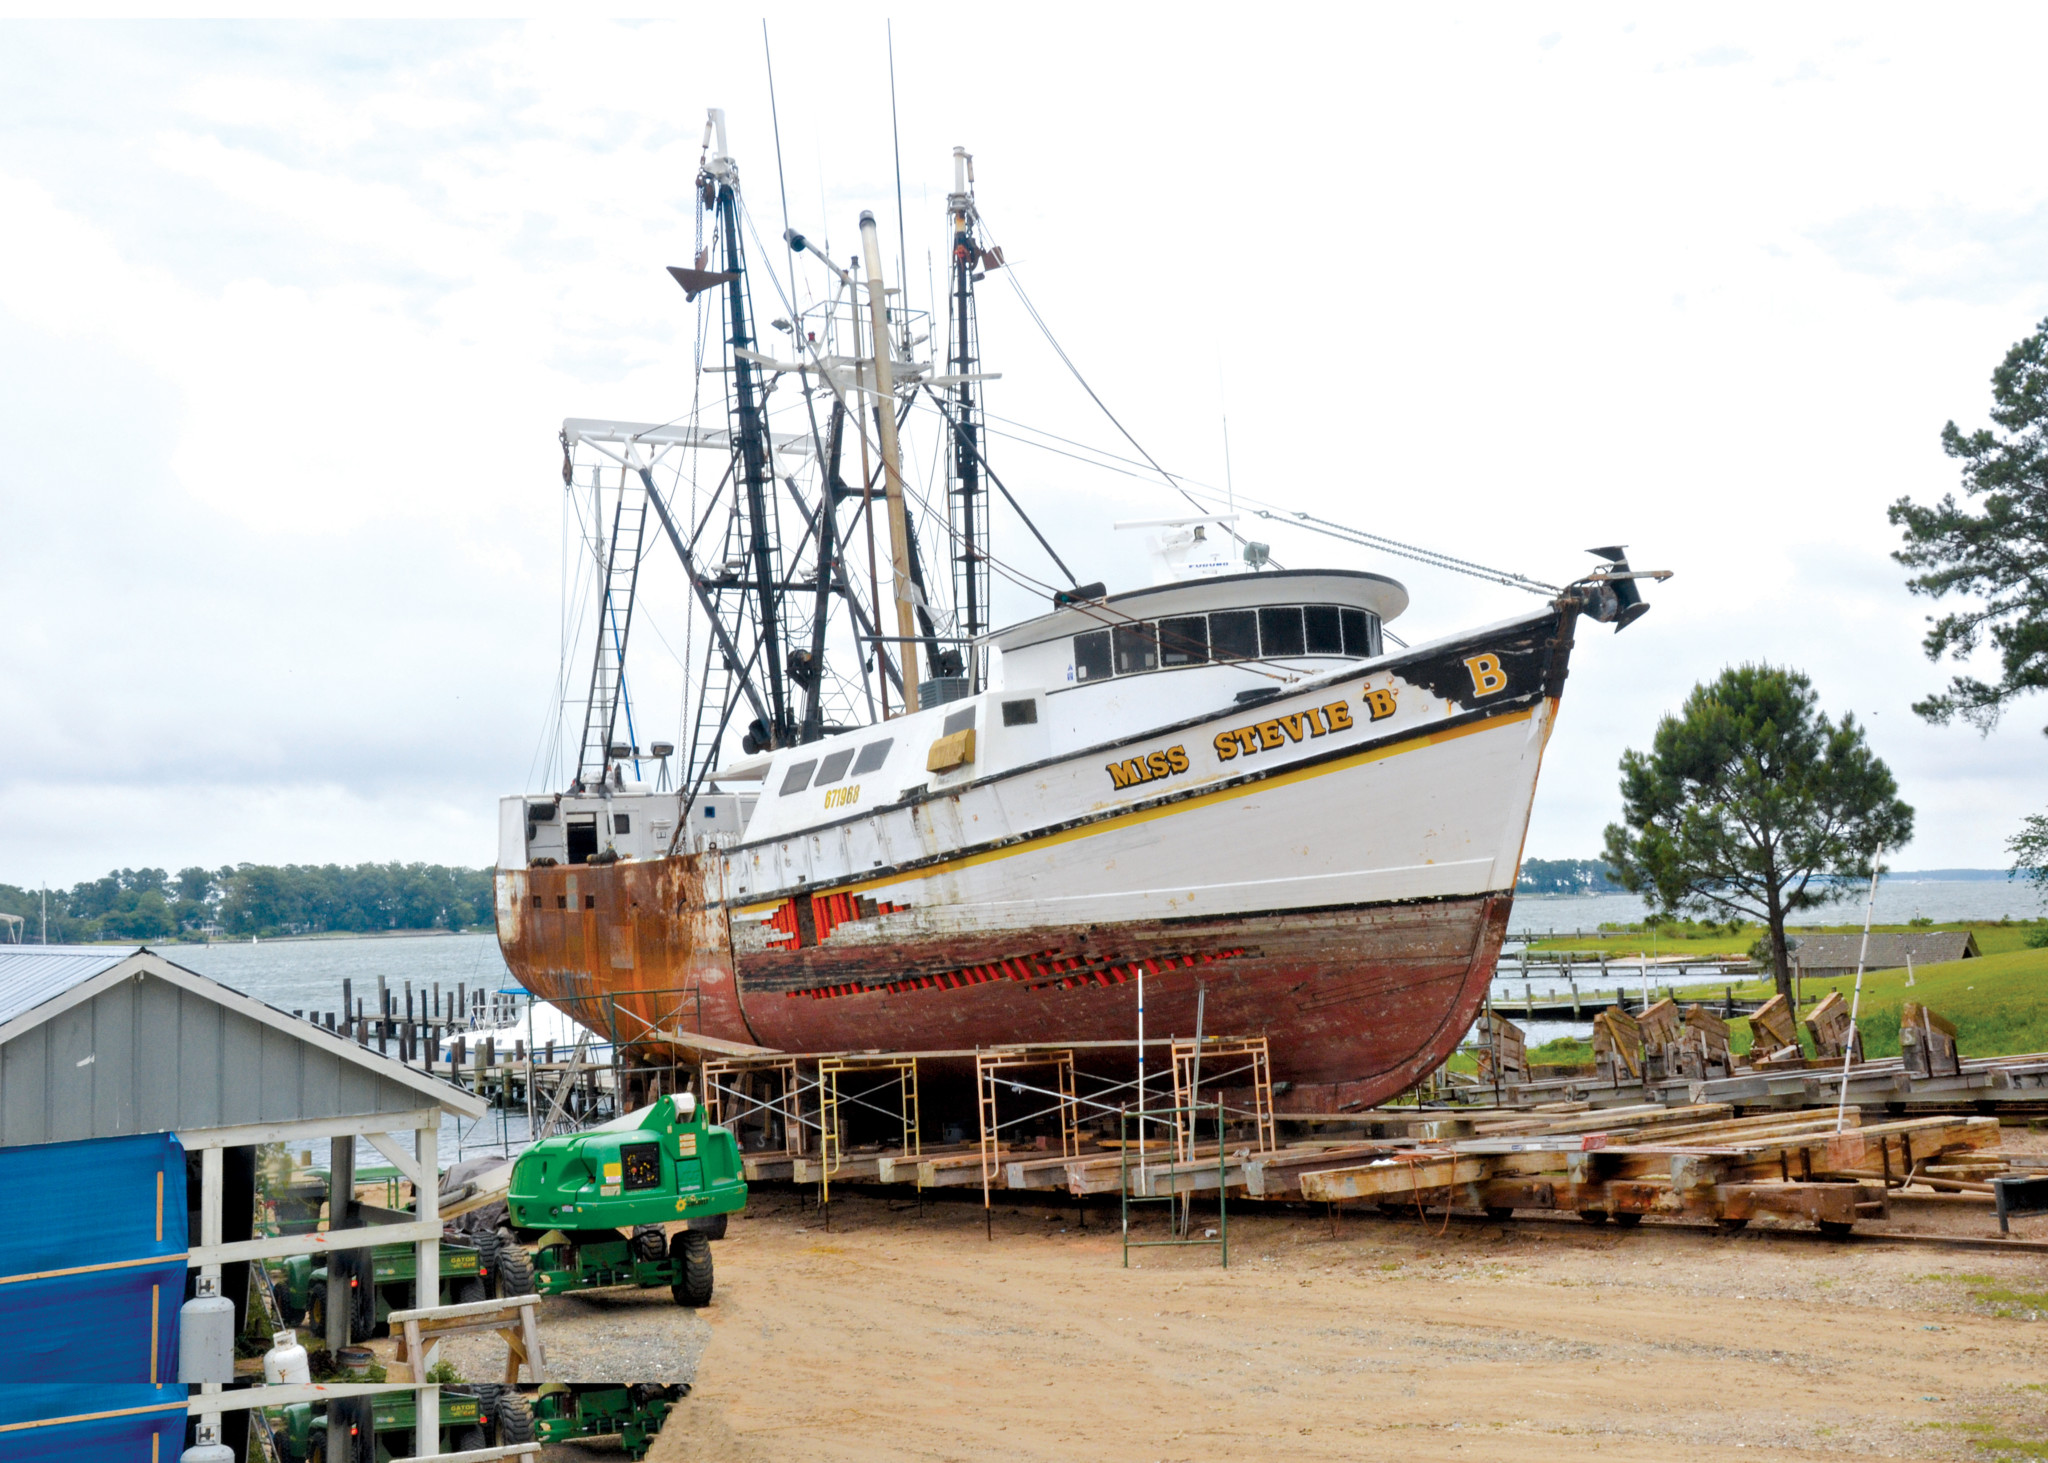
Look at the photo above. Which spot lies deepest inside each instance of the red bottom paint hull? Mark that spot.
(1357, 1004)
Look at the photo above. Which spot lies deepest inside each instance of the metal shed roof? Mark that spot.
(104, 1043)
(33, 974)
(1888, 951)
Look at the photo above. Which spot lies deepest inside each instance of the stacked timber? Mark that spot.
(1692, 1163)
(1927, 1043)
(1835, 1037)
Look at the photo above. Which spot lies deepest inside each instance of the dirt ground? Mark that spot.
(900, 1336)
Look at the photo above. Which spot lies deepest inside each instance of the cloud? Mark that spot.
(1947, 251)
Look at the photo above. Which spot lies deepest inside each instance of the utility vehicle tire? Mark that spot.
(693, 1253)
(470, 1438)
(316, 1309)
(1628, 1220)
(515, 1271)
(711, 1226)
(487, 1248)
(486, 1394)
(650, 1242)
(1593, 1216)
(515, 1418)
(469, 1292)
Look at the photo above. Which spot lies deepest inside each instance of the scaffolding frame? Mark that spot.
(831, 1150)
(1255, 1057)
(987, 1066)
(785, 1105)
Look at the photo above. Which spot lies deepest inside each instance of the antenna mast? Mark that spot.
(965, 490)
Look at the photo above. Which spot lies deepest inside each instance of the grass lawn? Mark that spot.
(1994, 937)
(1999, 1003)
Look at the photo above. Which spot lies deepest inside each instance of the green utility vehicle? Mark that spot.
(594, 1203)
(595, 1410)
(386, 1287)
(381, 1425)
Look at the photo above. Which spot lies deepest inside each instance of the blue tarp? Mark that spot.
(111, 1212)
(77, 1422)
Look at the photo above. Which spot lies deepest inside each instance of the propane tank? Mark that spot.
(209, 1448)
(206, 1336)
(285, 1362)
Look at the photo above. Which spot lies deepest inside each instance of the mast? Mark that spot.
(892, 471)
(751, 469)
(970, 562)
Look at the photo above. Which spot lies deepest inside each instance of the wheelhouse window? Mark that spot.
(1020, 713)
(1184, 640)
(1361, 633)
(1280, 630)
(798, 777)
(1091, 656)
(1325, 631)
(1270, 632)
(1234, 635)
(1137, 648)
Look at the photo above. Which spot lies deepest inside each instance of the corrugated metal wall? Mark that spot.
(146, 1056)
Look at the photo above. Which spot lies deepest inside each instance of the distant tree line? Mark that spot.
(1566, 876)
(239, 900)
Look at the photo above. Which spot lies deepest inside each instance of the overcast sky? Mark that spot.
(290, 315)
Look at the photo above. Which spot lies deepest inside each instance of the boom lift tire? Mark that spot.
(650, 1242)
(694, 1252)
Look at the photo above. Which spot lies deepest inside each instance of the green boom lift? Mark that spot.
(594, 1203)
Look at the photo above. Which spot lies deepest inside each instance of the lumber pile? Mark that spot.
(1774, 1037)
(1927, 1043)
(1617, 1046)
(1691, 1163)
(1503, 1053)
(1835, 1037)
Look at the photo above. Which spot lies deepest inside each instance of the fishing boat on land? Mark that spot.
(1231, 786)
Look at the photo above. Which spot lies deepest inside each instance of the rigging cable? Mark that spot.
(1060, 351)
(1277, 514)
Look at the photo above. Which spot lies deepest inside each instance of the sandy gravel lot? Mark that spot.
(897, 1336)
